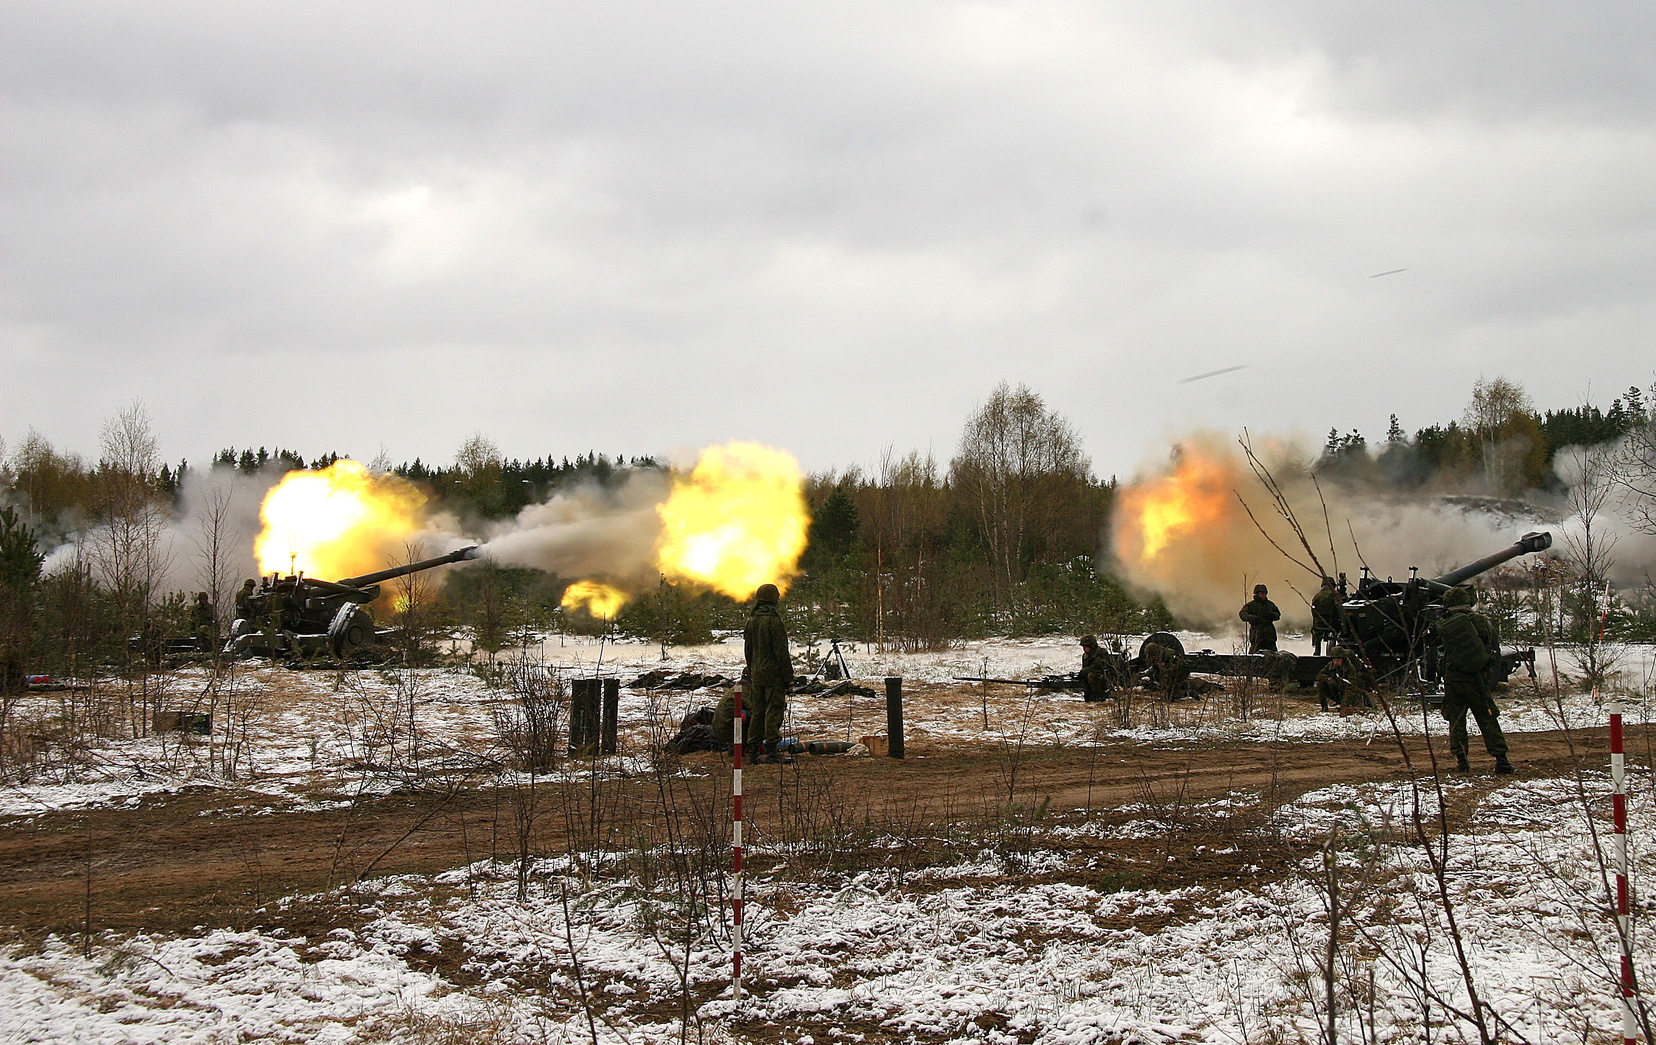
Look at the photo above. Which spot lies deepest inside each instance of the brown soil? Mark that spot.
(188, 860)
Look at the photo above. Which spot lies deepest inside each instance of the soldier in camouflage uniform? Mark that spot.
(1345, 681)
(244, 601)
(203, 624)
(769, 672)
(1100, 677)
(1261, 615)
(1325, 616)
(1467, 647)
(1167, 671)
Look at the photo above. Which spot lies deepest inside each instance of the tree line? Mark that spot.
(1500, 446)
(913, 552)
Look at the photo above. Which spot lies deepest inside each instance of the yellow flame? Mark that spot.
(338, 522)
(597, 598)
(737, 521)
(1154, 515)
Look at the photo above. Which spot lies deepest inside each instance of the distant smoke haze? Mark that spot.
(1631, 551)
(1208, 569)
(222, 499)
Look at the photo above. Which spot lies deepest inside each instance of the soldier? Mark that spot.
(1325, 616)
(1167, 671)
(244, 601)
(1467, 647)
(768, 672)
(1099, 677)
(202, 623)
(1345, 681)
(1261, 614)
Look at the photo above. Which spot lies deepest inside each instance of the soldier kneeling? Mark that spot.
(1166, 671)
(1100, 674)
(1344, 682)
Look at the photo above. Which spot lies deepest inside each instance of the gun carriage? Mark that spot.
(295, 616)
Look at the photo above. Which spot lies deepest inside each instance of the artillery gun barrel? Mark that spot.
(460, 555)
(1530, 542)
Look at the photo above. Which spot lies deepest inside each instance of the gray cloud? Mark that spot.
(636, 226)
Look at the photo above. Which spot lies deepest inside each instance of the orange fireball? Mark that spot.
(337, 522)
(1155, 515)
(737, 521)
(600, 600)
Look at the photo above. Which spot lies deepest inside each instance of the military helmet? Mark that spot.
(1260, 589)
(1328, 582)
(767, 593)
(1460, 595)
(1089, 641)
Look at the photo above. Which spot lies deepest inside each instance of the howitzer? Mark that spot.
(1384, 622)
(299, 616)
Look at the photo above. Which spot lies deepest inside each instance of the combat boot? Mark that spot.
(1504, 767)
(1462, 766)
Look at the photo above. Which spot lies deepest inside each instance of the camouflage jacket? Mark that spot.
(1347, 673)
(1097, 660)
(1461, 631)
(1261, 615)
(1325, 609)
(765, 648)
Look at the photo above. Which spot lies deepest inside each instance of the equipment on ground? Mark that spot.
(299, 617)
(1388, 623)
(1071, 680)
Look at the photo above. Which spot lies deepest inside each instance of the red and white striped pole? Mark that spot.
(1624, 895)
(1624, 899)
(736, 849)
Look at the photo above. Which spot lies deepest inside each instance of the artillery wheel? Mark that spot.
(1161, 638)
(351, 630)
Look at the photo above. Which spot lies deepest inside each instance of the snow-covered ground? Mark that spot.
(295, 738)
(994, 947)
(974, 952)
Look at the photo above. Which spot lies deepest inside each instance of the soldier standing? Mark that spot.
(768, 672)
(1325, 616)
(1467, 647)
(244, 601)
(203, 624)
(1099, 678)
(1261, 615)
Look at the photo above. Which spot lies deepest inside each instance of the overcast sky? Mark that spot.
(831, 227)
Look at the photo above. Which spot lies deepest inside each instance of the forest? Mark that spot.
(1007, 537)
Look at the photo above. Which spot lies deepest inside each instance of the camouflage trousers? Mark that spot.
(1461, 696)
(1099, 685)
(1343, 693)
(765, 707)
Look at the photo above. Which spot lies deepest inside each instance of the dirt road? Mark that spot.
(183, 860)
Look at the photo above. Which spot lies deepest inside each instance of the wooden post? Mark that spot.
(611, 716)
(583, 716)
(894, 715)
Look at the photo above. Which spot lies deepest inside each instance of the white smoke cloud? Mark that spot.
(1597, 507)
(205, 543)
(591, 530)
